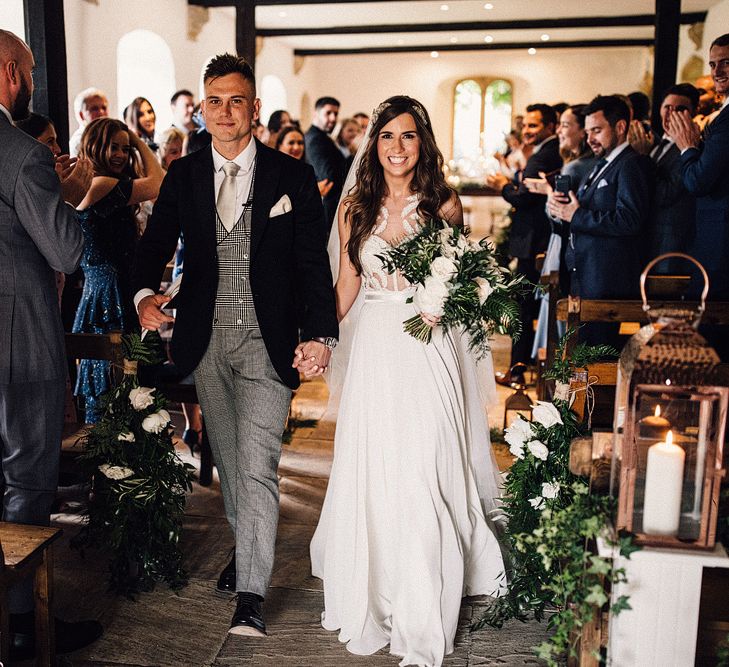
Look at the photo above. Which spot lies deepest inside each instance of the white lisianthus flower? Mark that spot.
(115, 472)
(443, 268)
(550, 489)
(462, 244)
(516, 435)
(484, 289)
(537, 503)
(546, 414)
(538, 449)
(430, 297)
(126, 436)
(141, 397)
(156, 422)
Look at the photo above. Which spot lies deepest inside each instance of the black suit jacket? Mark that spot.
(328, 162)
(705, 173)
(289, 269)
(672, 212)
(530, 227)
(603, 253)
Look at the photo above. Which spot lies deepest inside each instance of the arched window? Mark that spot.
(273, 96)
(145, 68)
(481, 118)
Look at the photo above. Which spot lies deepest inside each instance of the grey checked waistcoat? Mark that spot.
(234, 300)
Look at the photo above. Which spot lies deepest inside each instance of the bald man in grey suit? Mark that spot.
(39, 234)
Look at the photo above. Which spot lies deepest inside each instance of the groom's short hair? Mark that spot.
(227, 63)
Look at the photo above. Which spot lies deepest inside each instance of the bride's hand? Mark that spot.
(430, 320)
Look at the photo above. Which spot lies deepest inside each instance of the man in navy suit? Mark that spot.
(529, 228)
(608, 213)
(671, 219)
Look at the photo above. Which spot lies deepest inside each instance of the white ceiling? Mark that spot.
(337, 14)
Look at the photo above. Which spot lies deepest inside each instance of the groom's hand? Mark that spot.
(150, 312)
(311, 358)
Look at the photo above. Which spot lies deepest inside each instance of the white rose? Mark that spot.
(516, 435)
(115, 472)
(156, 422)
(430, 297)
(550, 489)
(546, 414)
(537, 503)
(538, 449)
(446, 234)
(141, 397)
(462, 244)
(484, 289)
(443, 268)
(126, 436)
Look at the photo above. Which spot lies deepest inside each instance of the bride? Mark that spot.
(403, 533)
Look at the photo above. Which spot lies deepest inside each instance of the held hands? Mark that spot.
(311, 358)
(75, 176)
(682, 129)
(561, 206)
(150, 312)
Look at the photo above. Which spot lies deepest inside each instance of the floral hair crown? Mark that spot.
(415, 107)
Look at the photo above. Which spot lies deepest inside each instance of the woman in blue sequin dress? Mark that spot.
(107, 219)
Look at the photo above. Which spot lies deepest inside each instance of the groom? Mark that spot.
(256, 272)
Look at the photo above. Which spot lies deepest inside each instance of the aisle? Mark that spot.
(188, 628)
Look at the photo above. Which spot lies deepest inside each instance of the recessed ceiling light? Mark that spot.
(454, 40)
(434, 54)
(488, 39)
(544, 37)
(488, 5)
(444, 8)
(282, 14)
(532, 51)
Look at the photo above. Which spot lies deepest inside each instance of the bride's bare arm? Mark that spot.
(452, 211)
(348, 282)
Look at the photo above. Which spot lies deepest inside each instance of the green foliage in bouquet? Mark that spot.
(138, 484)
(459, 281)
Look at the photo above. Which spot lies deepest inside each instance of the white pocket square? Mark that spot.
(282, 206)
(602, 184)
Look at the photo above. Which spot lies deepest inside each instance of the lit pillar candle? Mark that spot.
(663, 488)
(654, 426)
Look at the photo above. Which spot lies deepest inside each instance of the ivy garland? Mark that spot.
(138, 483)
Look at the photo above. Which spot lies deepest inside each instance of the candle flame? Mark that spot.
(669, 438)
(657, 412)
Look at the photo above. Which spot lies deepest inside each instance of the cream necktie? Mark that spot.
(226, 196)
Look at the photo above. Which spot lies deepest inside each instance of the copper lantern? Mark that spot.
(668, 429)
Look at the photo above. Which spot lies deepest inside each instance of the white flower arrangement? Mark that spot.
(156, 422)
(115, 472)
(126, 436)
(141, 398)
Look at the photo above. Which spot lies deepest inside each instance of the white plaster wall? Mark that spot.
(12, 17)
(717, 24)
(552, 75)
(93, 32)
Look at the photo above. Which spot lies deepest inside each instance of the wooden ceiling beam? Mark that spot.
(507, 46)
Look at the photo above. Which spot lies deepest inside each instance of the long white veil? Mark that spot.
(477, 377)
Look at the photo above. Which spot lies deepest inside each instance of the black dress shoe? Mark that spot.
(69, 636)
(226, 580)
(248, 618)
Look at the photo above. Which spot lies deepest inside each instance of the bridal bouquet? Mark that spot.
(459, 281)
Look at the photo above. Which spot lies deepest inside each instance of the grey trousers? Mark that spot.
(245, 406)
(31, 425)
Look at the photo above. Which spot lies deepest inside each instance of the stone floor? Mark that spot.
(188, 628)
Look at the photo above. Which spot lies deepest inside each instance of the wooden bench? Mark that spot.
(28, 550)
(108, 347)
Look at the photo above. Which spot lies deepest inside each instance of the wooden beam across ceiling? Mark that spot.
(576, 44)
(490, 26)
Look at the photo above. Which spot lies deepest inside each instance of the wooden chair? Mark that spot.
(28, 550)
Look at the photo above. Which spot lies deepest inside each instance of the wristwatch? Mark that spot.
(329, 341)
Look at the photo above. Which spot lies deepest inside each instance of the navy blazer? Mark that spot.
(603, 253)
(530, 226)
(705, 174)
(289, 270)
(328, 162)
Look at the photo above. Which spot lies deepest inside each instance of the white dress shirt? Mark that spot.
(7, 113)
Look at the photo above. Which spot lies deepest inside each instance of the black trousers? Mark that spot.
(521, 350)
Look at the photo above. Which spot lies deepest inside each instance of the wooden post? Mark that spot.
(45, 630)
(245, 31)
(46, 34)
(668, 21)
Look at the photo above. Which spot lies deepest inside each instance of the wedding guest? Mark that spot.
(41, 129)
(709, 101)
(182, 104)
(171, 146)
(140, 118)
(107, 216)
(277, 121)
(88, 105)
(291, 141)
(363, 119)
(349, 131)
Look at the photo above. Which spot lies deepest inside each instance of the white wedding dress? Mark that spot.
(403, 533)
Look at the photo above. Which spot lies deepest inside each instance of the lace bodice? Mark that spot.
(387, 232)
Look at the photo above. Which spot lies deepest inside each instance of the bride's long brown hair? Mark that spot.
(365, 198)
